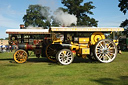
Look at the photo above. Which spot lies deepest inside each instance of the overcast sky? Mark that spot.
(12, 12)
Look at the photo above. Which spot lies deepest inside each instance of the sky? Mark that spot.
(106, 12)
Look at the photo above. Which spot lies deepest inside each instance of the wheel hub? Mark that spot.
(20, 56)
(105, 51)
(65, 57)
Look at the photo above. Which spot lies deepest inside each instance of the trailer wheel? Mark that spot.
(51, 51)
(20, 56)
(105, 51)
(65, 57)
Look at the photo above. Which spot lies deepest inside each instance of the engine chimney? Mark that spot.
(22, 26)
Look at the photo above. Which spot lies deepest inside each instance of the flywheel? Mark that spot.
(97, 36)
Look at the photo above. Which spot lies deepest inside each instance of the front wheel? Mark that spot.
(105, 51)
(20, 56)
(65, 57)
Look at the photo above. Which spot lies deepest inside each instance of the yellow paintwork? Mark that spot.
(96, 36)
(75, 46)
(86, 29)
(64, 52)
(57, 41)
(84, 45)
(83, 40)
(82, 48)
(20, 56)
(85, 51)
(115, 41)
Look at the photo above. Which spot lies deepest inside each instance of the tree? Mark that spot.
(123, 4)
(37, 16)
(1, 39)
(6, 38)
(81, 11)
(124, 24)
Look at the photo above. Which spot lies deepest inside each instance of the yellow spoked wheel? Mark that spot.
(96, 36)
(20, 56)
(51, 51)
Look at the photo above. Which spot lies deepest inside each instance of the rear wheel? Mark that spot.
(65, 57)
(20, 56)
(105, 51)
(51, 51)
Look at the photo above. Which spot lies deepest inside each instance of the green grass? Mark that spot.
(81, 72)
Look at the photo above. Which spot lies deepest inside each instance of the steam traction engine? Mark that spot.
(26, 40)
(62, 44)
(90, 42)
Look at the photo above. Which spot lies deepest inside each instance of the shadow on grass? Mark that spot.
(106, 81)
(123, 80)
(44, 59)
(33, 59)
(37, 60)
(6, 59)
(10, 65)
(81, 60)
(40, 60)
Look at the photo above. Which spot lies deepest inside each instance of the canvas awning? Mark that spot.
(86, 29)
(27, 31)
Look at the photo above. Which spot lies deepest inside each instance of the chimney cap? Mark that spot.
(21, 26)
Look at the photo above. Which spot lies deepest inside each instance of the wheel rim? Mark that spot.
(51, 52)
(65, 57)
(20, 56)
(105, 51)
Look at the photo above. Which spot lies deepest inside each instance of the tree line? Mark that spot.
(82, 11)
(123, 5)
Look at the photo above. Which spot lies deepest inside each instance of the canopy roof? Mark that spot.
(86, 29)
(27, 31)
(64, 29)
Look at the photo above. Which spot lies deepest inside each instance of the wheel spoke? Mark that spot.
(112, 48)
(20, 56)
(108, 56)
(65, 57)
(101, 45)
(100, 56)
(51, 51)
(105, 51)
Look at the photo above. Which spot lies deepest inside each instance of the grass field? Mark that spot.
(81, 72)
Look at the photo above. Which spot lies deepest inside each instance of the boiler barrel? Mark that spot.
(29, 47)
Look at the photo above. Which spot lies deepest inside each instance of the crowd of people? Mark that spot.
(6, 48)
